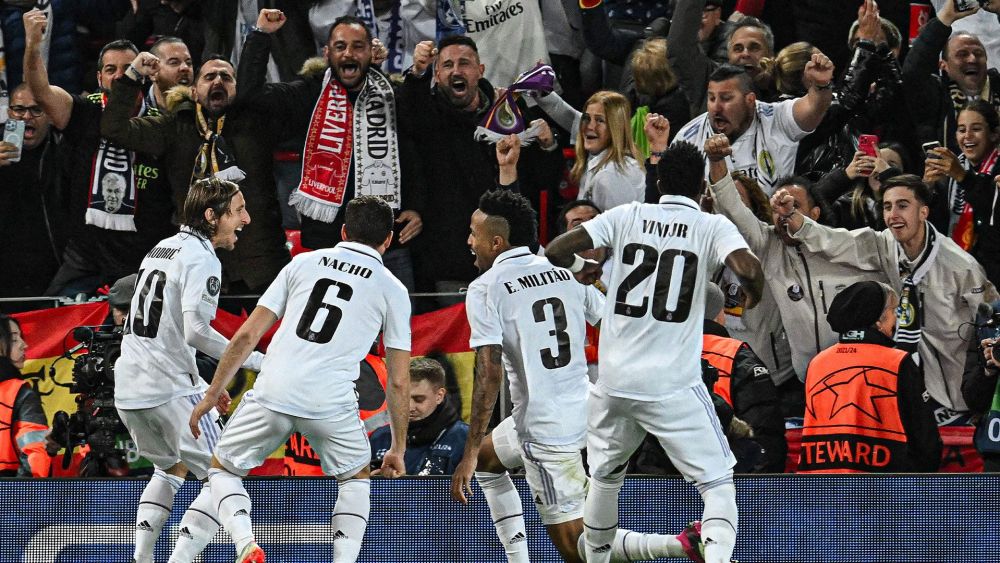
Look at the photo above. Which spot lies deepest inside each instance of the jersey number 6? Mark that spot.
(315, 305)
(676, 273)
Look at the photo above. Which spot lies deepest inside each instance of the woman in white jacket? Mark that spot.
(607, 166)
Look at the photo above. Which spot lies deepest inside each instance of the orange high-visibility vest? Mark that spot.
(721, 352)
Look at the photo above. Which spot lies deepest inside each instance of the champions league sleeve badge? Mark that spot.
(505, 117)
(213, 286)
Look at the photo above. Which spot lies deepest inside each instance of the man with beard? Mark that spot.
(935, 100)
(801, 282)
(175, 68)
(33, 204)
(441, 120)
(939, 285)
(106, 243)
(343, 157)
(206, 132)
(764, 136)
(749, 41)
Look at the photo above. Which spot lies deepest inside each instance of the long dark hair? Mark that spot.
(7, 335)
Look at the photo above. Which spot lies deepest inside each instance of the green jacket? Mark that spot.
(173, 137)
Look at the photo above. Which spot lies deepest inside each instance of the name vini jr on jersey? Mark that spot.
(537, 280)
(650, 227)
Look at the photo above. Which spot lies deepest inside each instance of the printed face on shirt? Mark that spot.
(36, 123)
(175, 66)
(484, 232)
(228, 226)
(112, 66)
(966, 63)
(113, 191)
(903, 213)
(730, 109)
(747, 46)
(424, 398)
(215, 86)
(974, 136)
(457, 72)
(349, 53)
(594, 128)
(18, 347)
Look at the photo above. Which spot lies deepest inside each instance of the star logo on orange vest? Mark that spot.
(844, 387)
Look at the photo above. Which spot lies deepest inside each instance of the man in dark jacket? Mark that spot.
(455, 167)
(33, 203)
(934, 100)
(118, 201)
(436, 436)
(206, 133)
(371, 138)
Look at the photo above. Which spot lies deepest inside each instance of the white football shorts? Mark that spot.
(254, 432)
(684, 423)
(555, 474)
(162, 436)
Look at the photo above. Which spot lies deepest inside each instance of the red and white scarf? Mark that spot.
(336, 129)
(962, 221)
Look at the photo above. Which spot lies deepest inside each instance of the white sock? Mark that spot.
(198, 527)
(720, 519)
(154, 508)
(350, 518)
(232, 504)
(507, 512)
(600, 518)
(634, 546)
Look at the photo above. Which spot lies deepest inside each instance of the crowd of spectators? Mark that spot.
(183, 90)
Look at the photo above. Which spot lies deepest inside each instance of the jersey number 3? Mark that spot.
(562, 356)
(316, 305)
(676, 273)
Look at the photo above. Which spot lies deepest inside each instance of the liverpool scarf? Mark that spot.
(336, 129)
(114, 196)
(909, 313)
(963, 223)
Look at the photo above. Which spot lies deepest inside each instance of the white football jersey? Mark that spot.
(663, 256)
(334, 302)
(538, 314)
(180, 274)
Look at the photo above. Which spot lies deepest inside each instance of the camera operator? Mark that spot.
(22, 421)
(979, 386)
(119, 298)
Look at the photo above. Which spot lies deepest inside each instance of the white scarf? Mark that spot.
(45, 6)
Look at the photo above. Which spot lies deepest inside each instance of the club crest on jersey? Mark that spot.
(213, 285)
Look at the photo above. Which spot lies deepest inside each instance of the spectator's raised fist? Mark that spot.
(509, 150)
(717, 147)
(657, 129)
(146, 64)
(783, 203)
(270, 21)
(423, 56)
(818, 71)
(35, 23)
(379, 52)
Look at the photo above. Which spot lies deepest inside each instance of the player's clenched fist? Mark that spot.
(423, 56)
(717, 147)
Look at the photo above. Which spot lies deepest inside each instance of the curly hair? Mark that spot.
(681, 170)
(516, 211)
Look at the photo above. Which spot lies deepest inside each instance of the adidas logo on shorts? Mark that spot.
(339, 535)
(603, 549)
(518, 538)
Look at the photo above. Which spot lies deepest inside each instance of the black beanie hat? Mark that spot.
(857, 307)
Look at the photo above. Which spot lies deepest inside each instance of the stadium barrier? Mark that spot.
(870, 519)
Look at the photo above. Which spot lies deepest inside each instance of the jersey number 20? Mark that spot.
(316, 304)
(676, 273)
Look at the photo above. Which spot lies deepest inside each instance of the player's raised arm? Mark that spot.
(486, 387)
(237, 352)
(747, 268)
(562, 252)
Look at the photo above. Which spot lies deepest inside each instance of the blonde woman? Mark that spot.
(607, 166)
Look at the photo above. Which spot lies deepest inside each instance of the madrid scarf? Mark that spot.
(909, 313)
(336, 128)
(44, 6)
(114, 195)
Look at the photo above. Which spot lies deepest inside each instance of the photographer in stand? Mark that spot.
(22, 421)
(979, 384)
